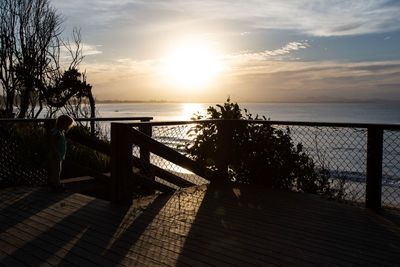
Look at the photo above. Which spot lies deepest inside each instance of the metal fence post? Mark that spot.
(121, 164)
(374, 168)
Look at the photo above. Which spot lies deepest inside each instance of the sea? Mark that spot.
(385, 113)
(341, 150)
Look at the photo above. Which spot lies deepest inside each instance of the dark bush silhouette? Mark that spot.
(259, 154)
(23, 154)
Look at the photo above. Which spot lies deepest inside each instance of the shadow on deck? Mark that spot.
(203, 225)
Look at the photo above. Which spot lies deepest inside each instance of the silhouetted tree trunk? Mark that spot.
(92, 111)
(30, 67)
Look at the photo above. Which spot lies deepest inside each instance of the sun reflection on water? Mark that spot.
(189, 109)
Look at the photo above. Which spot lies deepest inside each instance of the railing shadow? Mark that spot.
(255, 227)
(129, 234)
(90, 234)
(30, 203)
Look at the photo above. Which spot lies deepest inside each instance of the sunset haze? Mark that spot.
(253, 51)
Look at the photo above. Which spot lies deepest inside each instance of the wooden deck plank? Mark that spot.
(193, 227)
(109, 222)
(82, 219)
(8, 261)
(217, 256)
(61, 234)
(330, 243)
(56, 245)
(275, 229)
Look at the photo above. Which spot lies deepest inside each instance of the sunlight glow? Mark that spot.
(191, 65)
(189, 109)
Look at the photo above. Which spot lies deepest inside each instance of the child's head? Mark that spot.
(65, 122)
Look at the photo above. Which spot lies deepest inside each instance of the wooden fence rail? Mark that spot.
(123, 136)
(373, 150)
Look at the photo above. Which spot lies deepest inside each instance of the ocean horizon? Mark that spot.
(385, 113)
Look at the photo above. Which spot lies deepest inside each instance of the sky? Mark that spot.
(252, 51)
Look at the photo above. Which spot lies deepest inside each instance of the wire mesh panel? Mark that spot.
(21, 155)
(391, 169)
(175, 137)
(339, 152)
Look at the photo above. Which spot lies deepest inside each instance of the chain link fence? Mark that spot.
(339, 151)
(391, 169)
(24, 149)
(175, 137)
(21, 160)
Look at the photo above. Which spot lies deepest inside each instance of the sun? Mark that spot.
(191, 64)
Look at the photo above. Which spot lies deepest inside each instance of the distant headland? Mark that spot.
(320, 100)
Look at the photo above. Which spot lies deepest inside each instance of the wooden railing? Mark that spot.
(374, 147)
(83, 139)
(123, 136)
(91, 120)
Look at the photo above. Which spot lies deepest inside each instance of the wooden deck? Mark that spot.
(194, 227)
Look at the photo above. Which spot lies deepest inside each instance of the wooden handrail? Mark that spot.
(95, 144)
(147, 144)
(270, 122)
(105, 148)
(373, 149)
(165, 175)
(143, 119)
(167, 153)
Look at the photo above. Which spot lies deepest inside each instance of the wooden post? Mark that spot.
(374, 168)
(144, 152)
(121, 164)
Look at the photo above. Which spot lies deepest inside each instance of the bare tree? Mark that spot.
(34, 74)
(8, 26)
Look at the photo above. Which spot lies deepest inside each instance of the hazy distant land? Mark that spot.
(305, 100)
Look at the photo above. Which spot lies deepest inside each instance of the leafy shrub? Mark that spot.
(86, 156)
(258, 154)
(21, 152)
(24, 149)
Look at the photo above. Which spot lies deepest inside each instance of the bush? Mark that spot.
(21, 152)
(86, 156)
(259, 154)
(24, 150)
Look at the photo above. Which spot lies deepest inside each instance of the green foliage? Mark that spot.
(34, 140)
(86, 156)
(31, 144)
(256, 154)
(21, 151)
(24, 151)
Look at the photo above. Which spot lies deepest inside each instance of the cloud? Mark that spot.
(347, 28)
(89, 50)
(314, 17)
(292, 46)
(253, 77)
(246, 58)
(328, 79)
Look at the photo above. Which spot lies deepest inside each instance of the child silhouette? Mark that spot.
(57, 151)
